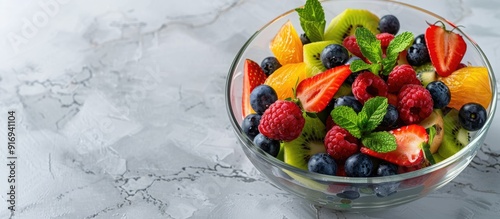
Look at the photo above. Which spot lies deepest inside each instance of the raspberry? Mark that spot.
(385, 39)
(401, 75)
(340, 144)
(350, 44)
(282, 121)
(414, 103)
(368, 85)
(329, 123)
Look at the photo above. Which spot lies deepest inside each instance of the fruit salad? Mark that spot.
(357, 97)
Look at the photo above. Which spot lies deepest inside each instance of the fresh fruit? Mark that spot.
(253, 76)
(359, 165)
(468, 84)
(400, 76)
(345, 24)
(316, 92)
(250, 125)
(286, 78)
(389, 24)
(310, 142)
(386, 169)
(418, 55)
(390, 118)
(270, 64)
(414, 103)
(349, 101)
(351, 44)
(409, 140)
(434, 121)
(262, 97)
(334, 55)
(282, 121)
(304, 39)
(340, 144)
(440, 94)
(472, 116)
(385, 39)
(312, 57)
(455, 136)
(322, 163)
(270, 146)
(420, 39)
(426, 77)
(368, 85)
(446, 49)
(286, 45)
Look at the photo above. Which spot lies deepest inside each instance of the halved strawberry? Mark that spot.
(409, 140)
(253, 76)
(316, 92)
(446, 49)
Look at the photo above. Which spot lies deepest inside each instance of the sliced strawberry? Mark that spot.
(446, 49)
(316, 92)
(253, 76)
(408, 151)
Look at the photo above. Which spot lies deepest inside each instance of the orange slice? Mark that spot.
(286, 45)
(285, 79)
(468, 84)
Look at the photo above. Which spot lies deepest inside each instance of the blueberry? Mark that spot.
(322, 163)
(262, 97)
(270, 146)
(269, 65)
(250, 125)
(304, 39)
(440, 94)
(385, 189)
(352, 59)
(420, 39)
(349, 101)
(390, 118)
(350, 79)
(418, 55)
(387, 169)
(358, 165)
(389, 24)
(334, 55)
(349, 194)
(472, 116)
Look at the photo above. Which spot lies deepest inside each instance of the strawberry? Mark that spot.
(253, 77)
(446, 49)
(408, 151)
(316, 92)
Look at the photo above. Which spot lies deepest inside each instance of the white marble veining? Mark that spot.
(120, 113)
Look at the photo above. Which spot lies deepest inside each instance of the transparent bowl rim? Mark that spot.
(473, 145)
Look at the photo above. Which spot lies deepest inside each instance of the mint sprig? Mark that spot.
(312, 20)
(371, 49)
(362, 124)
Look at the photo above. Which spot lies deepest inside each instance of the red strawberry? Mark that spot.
(253, 77)
(446, 49)
(408, 151)
(316, 92)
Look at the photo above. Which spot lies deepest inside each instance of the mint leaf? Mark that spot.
(312, 20)
(375, 109)
(432, 133)
(398, 44)
(346, 118)
(359, 65)
(369, 45)
(427, 153)
(381, 142)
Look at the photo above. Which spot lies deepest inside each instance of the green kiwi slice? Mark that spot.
(310, 142)
(312, 53)
(426, 73)
(434, 125)
(455, 137)
(345, 24)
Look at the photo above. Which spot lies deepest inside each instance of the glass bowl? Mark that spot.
(349, 193)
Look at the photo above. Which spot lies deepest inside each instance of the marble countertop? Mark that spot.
(119, 113)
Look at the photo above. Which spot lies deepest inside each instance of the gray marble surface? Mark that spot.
(119, 112)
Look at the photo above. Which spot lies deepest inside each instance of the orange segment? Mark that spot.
(469, 84)
(286, 45)
(285, 79)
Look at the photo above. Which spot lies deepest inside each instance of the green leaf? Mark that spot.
(400, 43)
(369, 45)
(432, 133)
(427, 153)
(312, 20)
(375, 109)
(381, 142)
(388, 65)
(359, 65)
(346, 118)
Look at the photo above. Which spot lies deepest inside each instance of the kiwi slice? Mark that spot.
(434, 125)
(310, 142)
(426, 77)
(455, 137)
(437, 158)
(424, 68)
(312, 53)
(345, 24)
